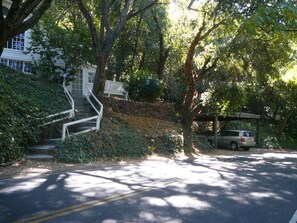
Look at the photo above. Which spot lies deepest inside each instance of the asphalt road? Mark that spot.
(243, 188)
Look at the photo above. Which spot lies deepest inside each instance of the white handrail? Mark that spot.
(69, 111)
(97, 117)
(90, 93)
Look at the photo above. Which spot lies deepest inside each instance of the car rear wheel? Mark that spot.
(233, 146)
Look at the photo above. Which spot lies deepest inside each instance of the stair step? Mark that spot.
(47, 150)
(41, 157)
(53, 141)
(44, 147)
(86, 127)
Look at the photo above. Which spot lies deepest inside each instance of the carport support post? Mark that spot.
(258, 133)
(215, 129)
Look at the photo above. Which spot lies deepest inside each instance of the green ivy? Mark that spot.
(24, 101)
(116, 139)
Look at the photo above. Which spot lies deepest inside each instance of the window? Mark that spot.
(247, 134)
(22, 66)
(15, 64)
(16, 43)
(3, 61)
(91, 77)
(27, 67)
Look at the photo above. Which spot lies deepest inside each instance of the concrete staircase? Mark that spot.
(46, 150)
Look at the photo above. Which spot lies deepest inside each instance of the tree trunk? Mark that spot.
(282, 124)
(164, 53)
(1, 47)
(100, 77)
(187, 131)
(134, 53)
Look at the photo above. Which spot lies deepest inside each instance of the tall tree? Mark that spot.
(106, 20)
(18, 16)
(210, 22)
(234, 19)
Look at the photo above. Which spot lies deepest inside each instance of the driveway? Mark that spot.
(259, 187)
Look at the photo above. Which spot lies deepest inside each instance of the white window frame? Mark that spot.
(91, 77)
(23, 66)
(17, 42)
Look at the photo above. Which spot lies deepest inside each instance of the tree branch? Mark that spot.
(132, 14)
(105, 22)
(91, 25)
(37, 14)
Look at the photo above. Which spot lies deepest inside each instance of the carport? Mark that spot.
(217, 117)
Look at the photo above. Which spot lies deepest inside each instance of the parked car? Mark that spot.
(234, 139)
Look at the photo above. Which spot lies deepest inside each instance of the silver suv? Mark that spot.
(234, 139)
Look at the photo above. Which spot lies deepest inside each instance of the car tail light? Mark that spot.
(242, 140)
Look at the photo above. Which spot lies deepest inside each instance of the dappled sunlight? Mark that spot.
(150, 191)
(184, 201)
(24, 186)
(82, 183)
(152, 217)
(263, 195)
(110, 221)
(278, 155)
(51, 187)
(154, 201)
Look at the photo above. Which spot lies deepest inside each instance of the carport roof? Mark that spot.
(226, 117)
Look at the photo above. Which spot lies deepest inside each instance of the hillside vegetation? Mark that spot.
(24, 102)
(123, 136)
(129, 129)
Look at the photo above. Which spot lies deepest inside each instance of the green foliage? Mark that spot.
(201, 143)
(166, 144)
(116, 139)
(24, 102)
(63, 45)
(138, 46)
(175, 88)
(143, 86)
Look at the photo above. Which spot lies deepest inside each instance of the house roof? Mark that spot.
(226, 117)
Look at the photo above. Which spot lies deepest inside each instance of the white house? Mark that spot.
(15, 57)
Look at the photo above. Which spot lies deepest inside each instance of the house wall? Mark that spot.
(19, 54)
(83, 81)
(17, 57)
(12, 57)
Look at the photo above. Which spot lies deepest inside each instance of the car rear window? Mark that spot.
(247, 134)
(229, 133)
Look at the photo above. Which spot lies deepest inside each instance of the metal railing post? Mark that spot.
(63, 132)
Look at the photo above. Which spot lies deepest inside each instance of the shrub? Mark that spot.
(166, 144)
(143, 86)
(116, 139)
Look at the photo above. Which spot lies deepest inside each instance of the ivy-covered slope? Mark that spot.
(24, 101)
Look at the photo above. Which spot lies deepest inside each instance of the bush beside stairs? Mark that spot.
(46, 149)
